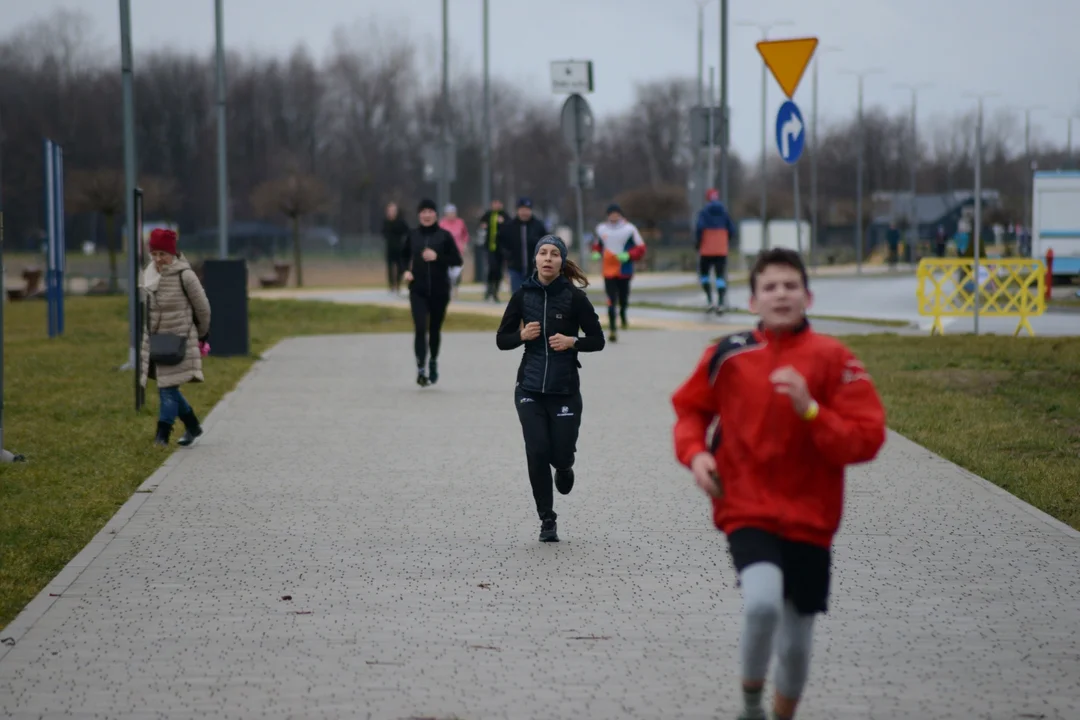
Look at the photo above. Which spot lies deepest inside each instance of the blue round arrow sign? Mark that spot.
(790, 132)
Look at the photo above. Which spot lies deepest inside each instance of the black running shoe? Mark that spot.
(564, 480)
(548, 532)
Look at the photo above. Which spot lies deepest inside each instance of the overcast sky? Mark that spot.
(1027, 56)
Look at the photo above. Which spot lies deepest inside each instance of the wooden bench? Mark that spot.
(32, 276)
(280, 278)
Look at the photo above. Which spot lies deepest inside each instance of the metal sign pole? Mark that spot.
(136, 262)
(61, 240)
(5, 456)
(577, 126)
(579, 202)
(50, 236)
(798, 211)
(3, 297)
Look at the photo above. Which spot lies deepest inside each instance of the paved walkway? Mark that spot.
(400, 524)
(644, 317)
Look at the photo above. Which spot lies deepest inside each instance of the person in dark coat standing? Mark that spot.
(429, 252)
(394, 230)
(487, 241)
(517, 241)
(546, 316)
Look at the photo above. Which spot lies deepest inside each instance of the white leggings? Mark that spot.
(764, 608)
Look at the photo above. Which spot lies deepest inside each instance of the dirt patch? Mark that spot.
(324, 272)
(972, 382)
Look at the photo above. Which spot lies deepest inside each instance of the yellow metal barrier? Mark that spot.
(1008, 287)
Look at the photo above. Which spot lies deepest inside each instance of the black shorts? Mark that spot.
(806, 567)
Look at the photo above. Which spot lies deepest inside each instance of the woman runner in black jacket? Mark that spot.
(545, 315)
(428, 253)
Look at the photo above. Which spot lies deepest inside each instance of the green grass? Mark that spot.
(70, 411)
(1005, 408)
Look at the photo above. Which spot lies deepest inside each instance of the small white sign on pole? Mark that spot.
(571, 76)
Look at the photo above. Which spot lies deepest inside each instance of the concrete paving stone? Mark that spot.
(400, 523)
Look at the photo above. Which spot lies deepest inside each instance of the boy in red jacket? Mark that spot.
(792, 408)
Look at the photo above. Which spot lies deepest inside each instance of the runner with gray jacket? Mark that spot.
(547, 316)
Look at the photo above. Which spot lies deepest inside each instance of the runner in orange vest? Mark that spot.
(712, 237)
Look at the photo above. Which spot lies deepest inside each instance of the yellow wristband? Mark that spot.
(811, 411)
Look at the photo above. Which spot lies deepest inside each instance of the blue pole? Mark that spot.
(61, 239)
(50, 231)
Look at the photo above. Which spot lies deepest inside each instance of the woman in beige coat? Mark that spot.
(175, 305)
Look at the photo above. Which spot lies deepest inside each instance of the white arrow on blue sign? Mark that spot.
(790, 132)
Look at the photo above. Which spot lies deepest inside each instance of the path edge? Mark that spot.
(36, 608)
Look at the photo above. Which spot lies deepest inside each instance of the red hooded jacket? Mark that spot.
(778, 472)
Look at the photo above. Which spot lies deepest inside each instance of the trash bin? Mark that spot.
(226, 285)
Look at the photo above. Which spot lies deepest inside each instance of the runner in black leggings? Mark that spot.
(545, 315)
(428, 254)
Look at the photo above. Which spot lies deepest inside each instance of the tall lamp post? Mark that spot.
(860, 160)
(814, 154)
(764, 28)
(913, 218)
(976, 235)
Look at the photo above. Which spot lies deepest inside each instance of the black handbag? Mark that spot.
(166, 348)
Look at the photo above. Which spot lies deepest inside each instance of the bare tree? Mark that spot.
(651, 206)
(99, 191)
(295, 195)
(356, 120)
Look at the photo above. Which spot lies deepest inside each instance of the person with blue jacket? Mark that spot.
(552, 317)
(712, 237)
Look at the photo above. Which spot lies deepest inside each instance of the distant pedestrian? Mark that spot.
(892, 239)
(176, 336)
(618, 245)
(457, 227)
(491, 225)
(517, 241)
(712, 240)
(795, 408)
(429, 252)
(394, 230)
(940, 239)
(546, 315)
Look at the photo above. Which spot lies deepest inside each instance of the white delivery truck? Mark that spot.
(1055, 221)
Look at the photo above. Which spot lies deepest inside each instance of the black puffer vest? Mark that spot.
(543, 369)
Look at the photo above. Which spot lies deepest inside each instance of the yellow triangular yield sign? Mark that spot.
(787, 59)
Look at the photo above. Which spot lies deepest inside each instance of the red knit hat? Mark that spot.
(163, 240)
(712, 194)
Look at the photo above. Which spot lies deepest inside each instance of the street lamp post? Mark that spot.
(977, 225)
(222, 163)
(442, 190)
(700, 181)
(1069, 139)
(1027, 164)
(485, 171)
(913, 230)
(725, 113)
(859, 162)
(130, 169)
(814, 155)
(764, 28)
